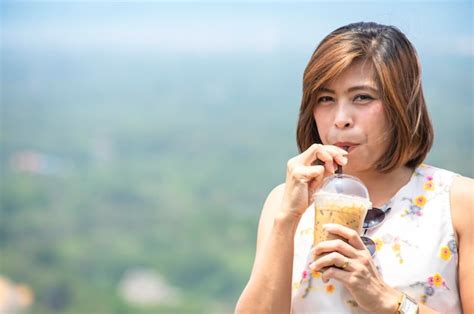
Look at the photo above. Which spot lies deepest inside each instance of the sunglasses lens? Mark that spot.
(373, 218)
(369, 244)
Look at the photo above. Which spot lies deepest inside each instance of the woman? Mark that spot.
(363, 109)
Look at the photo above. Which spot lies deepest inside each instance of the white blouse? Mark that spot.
(416, 251)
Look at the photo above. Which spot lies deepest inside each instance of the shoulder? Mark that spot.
(462, 189)
(276, 195)
(462, 209)
(462, 204)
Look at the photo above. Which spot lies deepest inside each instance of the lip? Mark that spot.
(348, 146)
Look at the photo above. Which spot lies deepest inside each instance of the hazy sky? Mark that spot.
(71, 51)
(441, 27)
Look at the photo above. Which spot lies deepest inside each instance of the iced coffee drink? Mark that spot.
(338, 208)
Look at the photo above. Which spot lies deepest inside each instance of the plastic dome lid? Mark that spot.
(346, 185)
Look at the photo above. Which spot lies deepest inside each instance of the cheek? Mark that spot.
(377, 112)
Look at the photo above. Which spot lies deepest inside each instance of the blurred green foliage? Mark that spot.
(161, 163)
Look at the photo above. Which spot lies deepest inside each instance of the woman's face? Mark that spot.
(350, 114)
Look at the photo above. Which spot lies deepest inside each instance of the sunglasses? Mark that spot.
(374, 217)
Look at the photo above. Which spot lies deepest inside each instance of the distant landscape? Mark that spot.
(120, 166)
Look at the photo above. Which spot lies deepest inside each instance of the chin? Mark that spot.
(355, 167)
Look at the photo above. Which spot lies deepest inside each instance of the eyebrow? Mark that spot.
(353, 88)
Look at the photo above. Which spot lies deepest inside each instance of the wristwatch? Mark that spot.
(407, 305)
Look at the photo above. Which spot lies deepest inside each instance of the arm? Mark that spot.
(462, 209)
(269, 287)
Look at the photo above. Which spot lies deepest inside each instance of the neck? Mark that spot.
(383, 186)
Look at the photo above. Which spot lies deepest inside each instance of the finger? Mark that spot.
(336, 150)
(347, 233)
(308, 156)
(329, 166)
(335, 273)
(307, 174)
(341, 159)
(322, 152)
(330, 260)
(338, 157)
(334, 246)
(339, 154)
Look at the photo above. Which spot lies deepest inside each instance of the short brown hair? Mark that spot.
(397, 75)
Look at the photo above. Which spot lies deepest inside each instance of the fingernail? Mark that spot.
(341, 160)
(328, 227)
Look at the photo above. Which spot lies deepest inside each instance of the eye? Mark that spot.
(325, 99)
(363, 98)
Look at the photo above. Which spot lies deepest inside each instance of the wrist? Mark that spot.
(390, 302)
(287, 218)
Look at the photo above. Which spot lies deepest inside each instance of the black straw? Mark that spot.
(339, 167)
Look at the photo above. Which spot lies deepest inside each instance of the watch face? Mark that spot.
(408, 306)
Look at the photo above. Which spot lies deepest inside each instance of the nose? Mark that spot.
(343, 118)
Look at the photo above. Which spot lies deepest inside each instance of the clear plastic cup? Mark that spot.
(342, 199)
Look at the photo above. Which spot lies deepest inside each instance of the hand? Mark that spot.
(303, 177)
(355, 269)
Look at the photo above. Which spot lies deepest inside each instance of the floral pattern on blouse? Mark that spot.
(448, 250)
(430, 190)
(393, 242)
(433, 284)
(415, 209)
(308, 278)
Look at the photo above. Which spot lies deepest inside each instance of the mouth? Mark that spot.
(347, 146)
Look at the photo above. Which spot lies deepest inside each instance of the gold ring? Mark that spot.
(346, 263)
